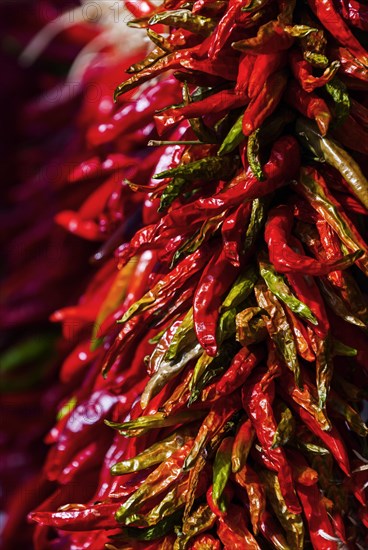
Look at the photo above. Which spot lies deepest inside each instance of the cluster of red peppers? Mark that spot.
(219, 372)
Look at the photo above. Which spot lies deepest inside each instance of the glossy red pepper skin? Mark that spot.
(216, 279)
(327, 14)
(309, 105)
(257, 401)
(239, 370)
(265, 102)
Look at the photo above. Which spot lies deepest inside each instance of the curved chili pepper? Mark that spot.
(257, 402)
(327, 14)
(277, 235)
(309, 105)
(263, 105)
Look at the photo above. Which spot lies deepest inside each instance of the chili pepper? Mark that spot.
(216, 103)
(79, 517)
(221, 471)
(285, 428)
(314, 510)
(242, 443)
(142, 424)
(241, 367)
(250, 326)
(233, 138)
(264, 104)
(327, 14)
(302, 340)
(320, 198)
(291, 522)
(157, 481)
(352, 67)
(253, 155)
(184, 19)
(233, 532)
(200, 520)
(272, 532)
(264, 66)
(303, 72)
(355, 13)
(257, 402)
(276, 284)
(246, 64)
(232, 232)
(277, 234)
(221, 412)
(166, 371)
(278, 328)
(207, 168)
(249, 480)
(271, 37)
(216, 278)
(309, 105)
(156, 454)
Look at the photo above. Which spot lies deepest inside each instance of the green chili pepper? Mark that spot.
(221, 471)
(277, 285)
(256, 222)
(253, 155)
(184, 336)
(233, 138)
(160, 41)
(184, 19)
(156, 54)
(285, 429)
(139, 426)
(279, 328)
(157, 453)
(342, 350)
(208, 168)
(171, 192)
(166, 371)
(241, 289)
(338, 92)
(151, 533)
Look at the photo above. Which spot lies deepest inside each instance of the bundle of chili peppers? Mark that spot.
(218, 397)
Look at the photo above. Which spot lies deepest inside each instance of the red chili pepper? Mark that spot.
(232, 231)
(216, 103)
(303, 72)
(257, 402)
(239, 370)
(285, 260)
(233, 532)
(314, 509)
(263, 67)
(81, 518)
(355, 12)
(263, 105)
(309, 105)
(327, 14)
(246, 65)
